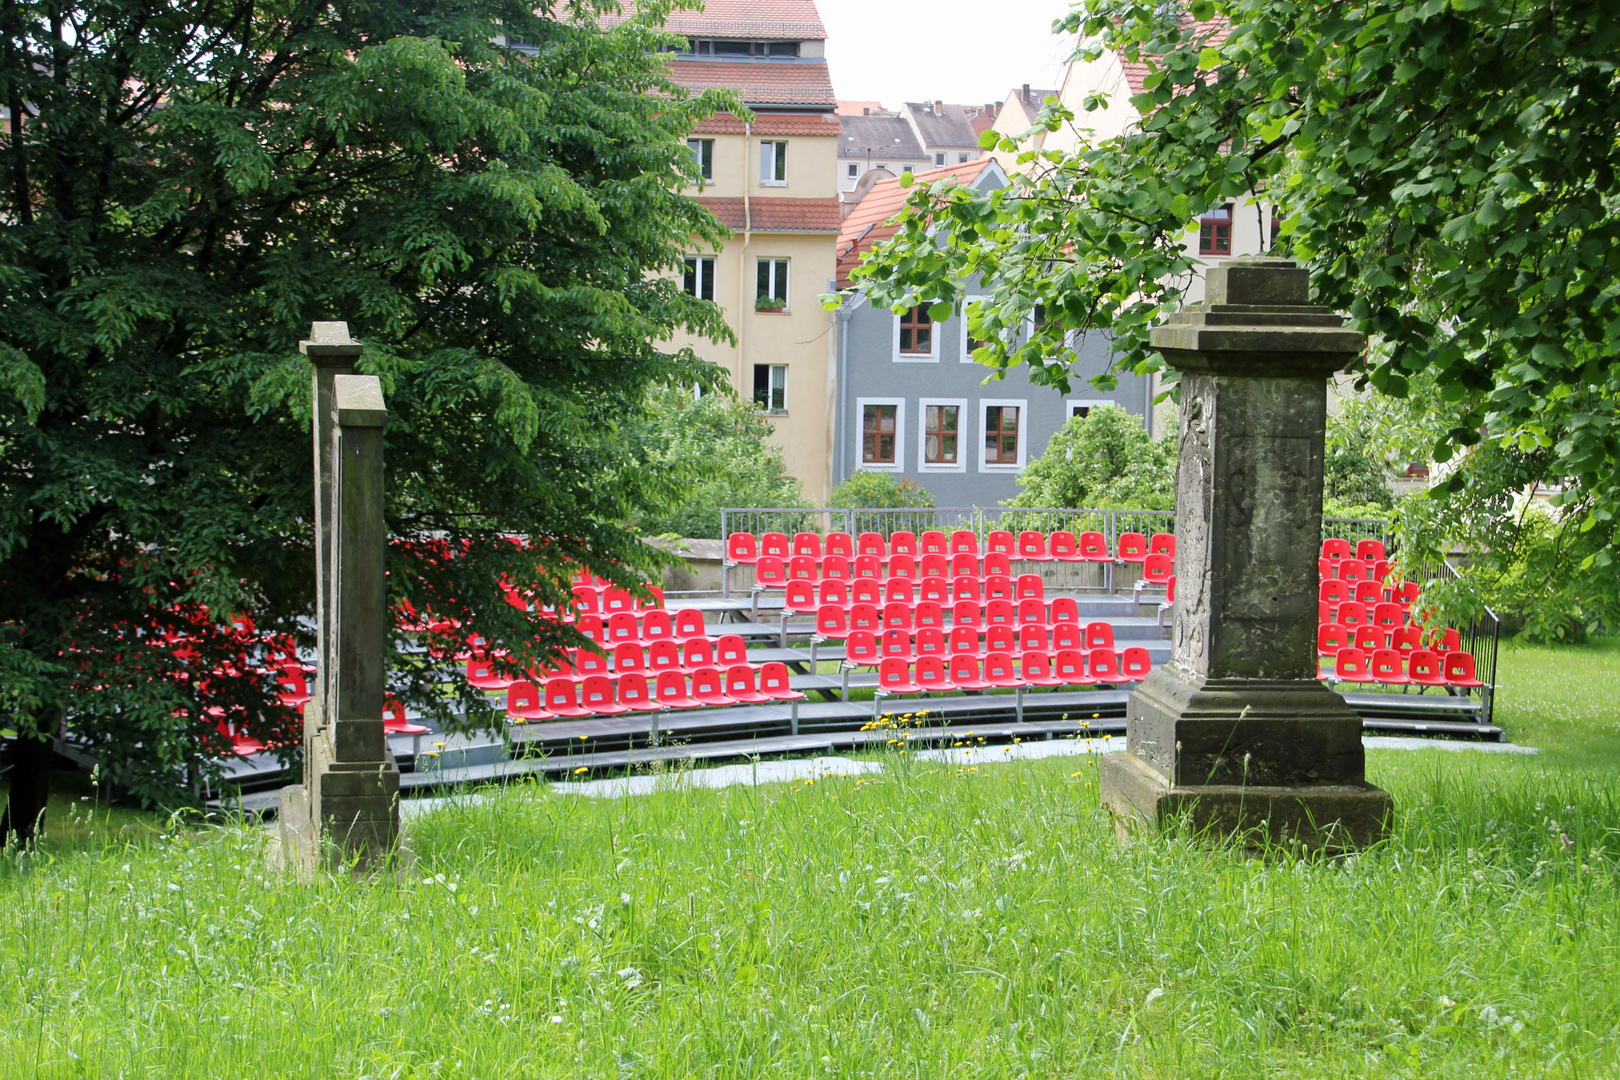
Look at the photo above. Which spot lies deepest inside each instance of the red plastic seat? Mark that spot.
(1425, 668)
(900, 590)
(292, 685)
(861, 649)
(615, 600)
(1000, 637)
(562, 699)
(1063, 546)
(741, 686)
(622, 629)
(1334, 592)
(965, 588)
(1330, 638)
(1352, 665)
(670, 691)
(1032, 546)
(1099, 635)
(865, 617)
(663, 656)
(1370, 593)
(1445, 640)
(709, 688)
(839, 544)
(770, 572)
(1370, 638)
(1037, 669)
(773, 683)
(1000, 541)
(832, 622)
(629, 657)
(1353, 571)
(1068, 635)
(928, 614)
(1389, 616)
(1000, 672)
(1351, 614)
(1093, 546)
(897, 617)
(1334, 549)
(1069, 668)
(1162, 544)
(903, 543)
(965, 564)
(929, 641)
(689, 624)
(1000, 613)
(934, 564)
(696, 653)
(654, 600)
(596, 697)
(803, 568)
(836, 568)
(964, 672)
(1406, 639)
(1371, 550)
(903, 566)
(1065, 609)
(1385, 667)
(931, 674)
(933, 542)
(523, 702)
(634, 693)
(995, 564)
(807, 543)
(1460, 669)
(894, 677)
(895, 645)
(935, 589)
(1031, 612)
(742, 549)
(776, 545)
(964, 542)
(1029, 587)
(801, 597)
(587, 601)
(967, 613)
(1134, 664)
(1157, 569)
(1132, 548)
(832, 591)
(963, 641)
(1033, 638)
(657, 625)
(730, 650)
(871, 543)
(866, 591)
(482, 675)
(868, 567)
(999, 587)
(395, 723)
(1103, 665)
(1406, 593)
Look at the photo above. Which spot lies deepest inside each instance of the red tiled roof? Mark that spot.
(766, 20)
(771, 124)
(868, 223)
(1206, 33)
(776, 215)
(760, 82)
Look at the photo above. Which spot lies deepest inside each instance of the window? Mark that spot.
(962, 157)
(1082, 407)
(703, 154)
(781, 48)
(881, 166)
(1002, 444)
(854, 170)
(916, 332)
(880, 433)
(906, 168)
(772, 283)
(1215, 232)
(773, 164)
(699, 280)
(939, 159)
(942, 434)
(734, 48)
(969, 343)
(770, 387)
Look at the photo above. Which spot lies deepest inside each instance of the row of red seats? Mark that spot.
(744, 549)
(1391, 667)
(866, 649)
(1331, 637)
(1333, 591)
(836, 623)
(660, 656)
(771, 572)
(1000, 670)
(1335, 550)
(602, 695)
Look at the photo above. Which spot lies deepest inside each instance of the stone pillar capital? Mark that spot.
(330, 345)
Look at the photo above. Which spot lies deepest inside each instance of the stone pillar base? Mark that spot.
(294, 848)
(1327, 817)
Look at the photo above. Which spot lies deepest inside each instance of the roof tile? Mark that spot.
(760, 82)
(770, 124)
(776, 215)
(764, 20)
(868, 223)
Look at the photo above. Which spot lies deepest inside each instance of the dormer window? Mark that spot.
(742, 48)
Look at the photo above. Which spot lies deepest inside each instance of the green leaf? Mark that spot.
(940, 312)
(1209, 58)
(24, 379)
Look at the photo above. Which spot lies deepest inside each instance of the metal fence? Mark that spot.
(1480, 635)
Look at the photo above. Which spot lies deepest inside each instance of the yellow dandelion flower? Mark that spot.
(1073, 774)
(582, 738)
(580, 770)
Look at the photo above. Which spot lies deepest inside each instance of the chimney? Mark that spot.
(866, 110)
(1026, 93)
(939, 108)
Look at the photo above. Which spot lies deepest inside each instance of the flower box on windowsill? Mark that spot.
(769, 306)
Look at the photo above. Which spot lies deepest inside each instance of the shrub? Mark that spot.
(867, 490)
(1103, 460)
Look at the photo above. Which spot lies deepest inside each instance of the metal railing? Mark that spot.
(1480, 635)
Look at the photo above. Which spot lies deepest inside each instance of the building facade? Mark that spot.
(883, 144)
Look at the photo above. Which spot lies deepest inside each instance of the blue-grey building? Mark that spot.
(911, 400)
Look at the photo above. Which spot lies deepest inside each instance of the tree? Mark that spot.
(1444, 169)
(716, 447)
(866, 489)
(187, 185)
(1105, 460)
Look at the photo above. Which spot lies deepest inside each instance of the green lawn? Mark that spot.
(934, 922)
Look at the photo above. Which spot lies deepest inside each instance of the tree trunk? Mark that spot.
(30, 788)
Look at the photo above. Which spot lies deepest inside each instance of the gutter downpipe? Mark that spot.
(742, 260)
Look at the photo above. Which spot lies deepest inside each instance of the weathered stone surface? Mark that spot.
(1238, 708)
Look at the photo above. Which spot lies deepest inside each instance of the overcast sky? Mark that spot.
(950, 50)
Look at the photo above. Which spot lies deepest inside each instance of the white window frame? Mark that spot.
(770, 164)
(963, 434)
(709, 262)
(899, 434)
(696, 146)
(854, 170)
(962, 157)
(939, 159)
(1070, 404)
(930, 357)
(786, 266)
(986, 466)
(770, 381)
(966, 356)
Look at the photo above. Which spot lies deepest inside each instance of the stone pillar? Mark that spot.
(349, 799)
(1236, 733)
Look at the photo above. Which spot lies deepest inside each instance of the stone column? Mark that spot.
(1236, 733)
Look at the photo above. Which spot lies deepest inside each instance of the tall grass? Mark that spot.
(933, 921)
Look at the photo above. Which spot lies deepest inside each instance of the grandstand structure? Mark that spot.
(828, 639)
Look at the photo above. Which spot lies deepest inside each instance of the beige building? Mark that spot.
(774, 182)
